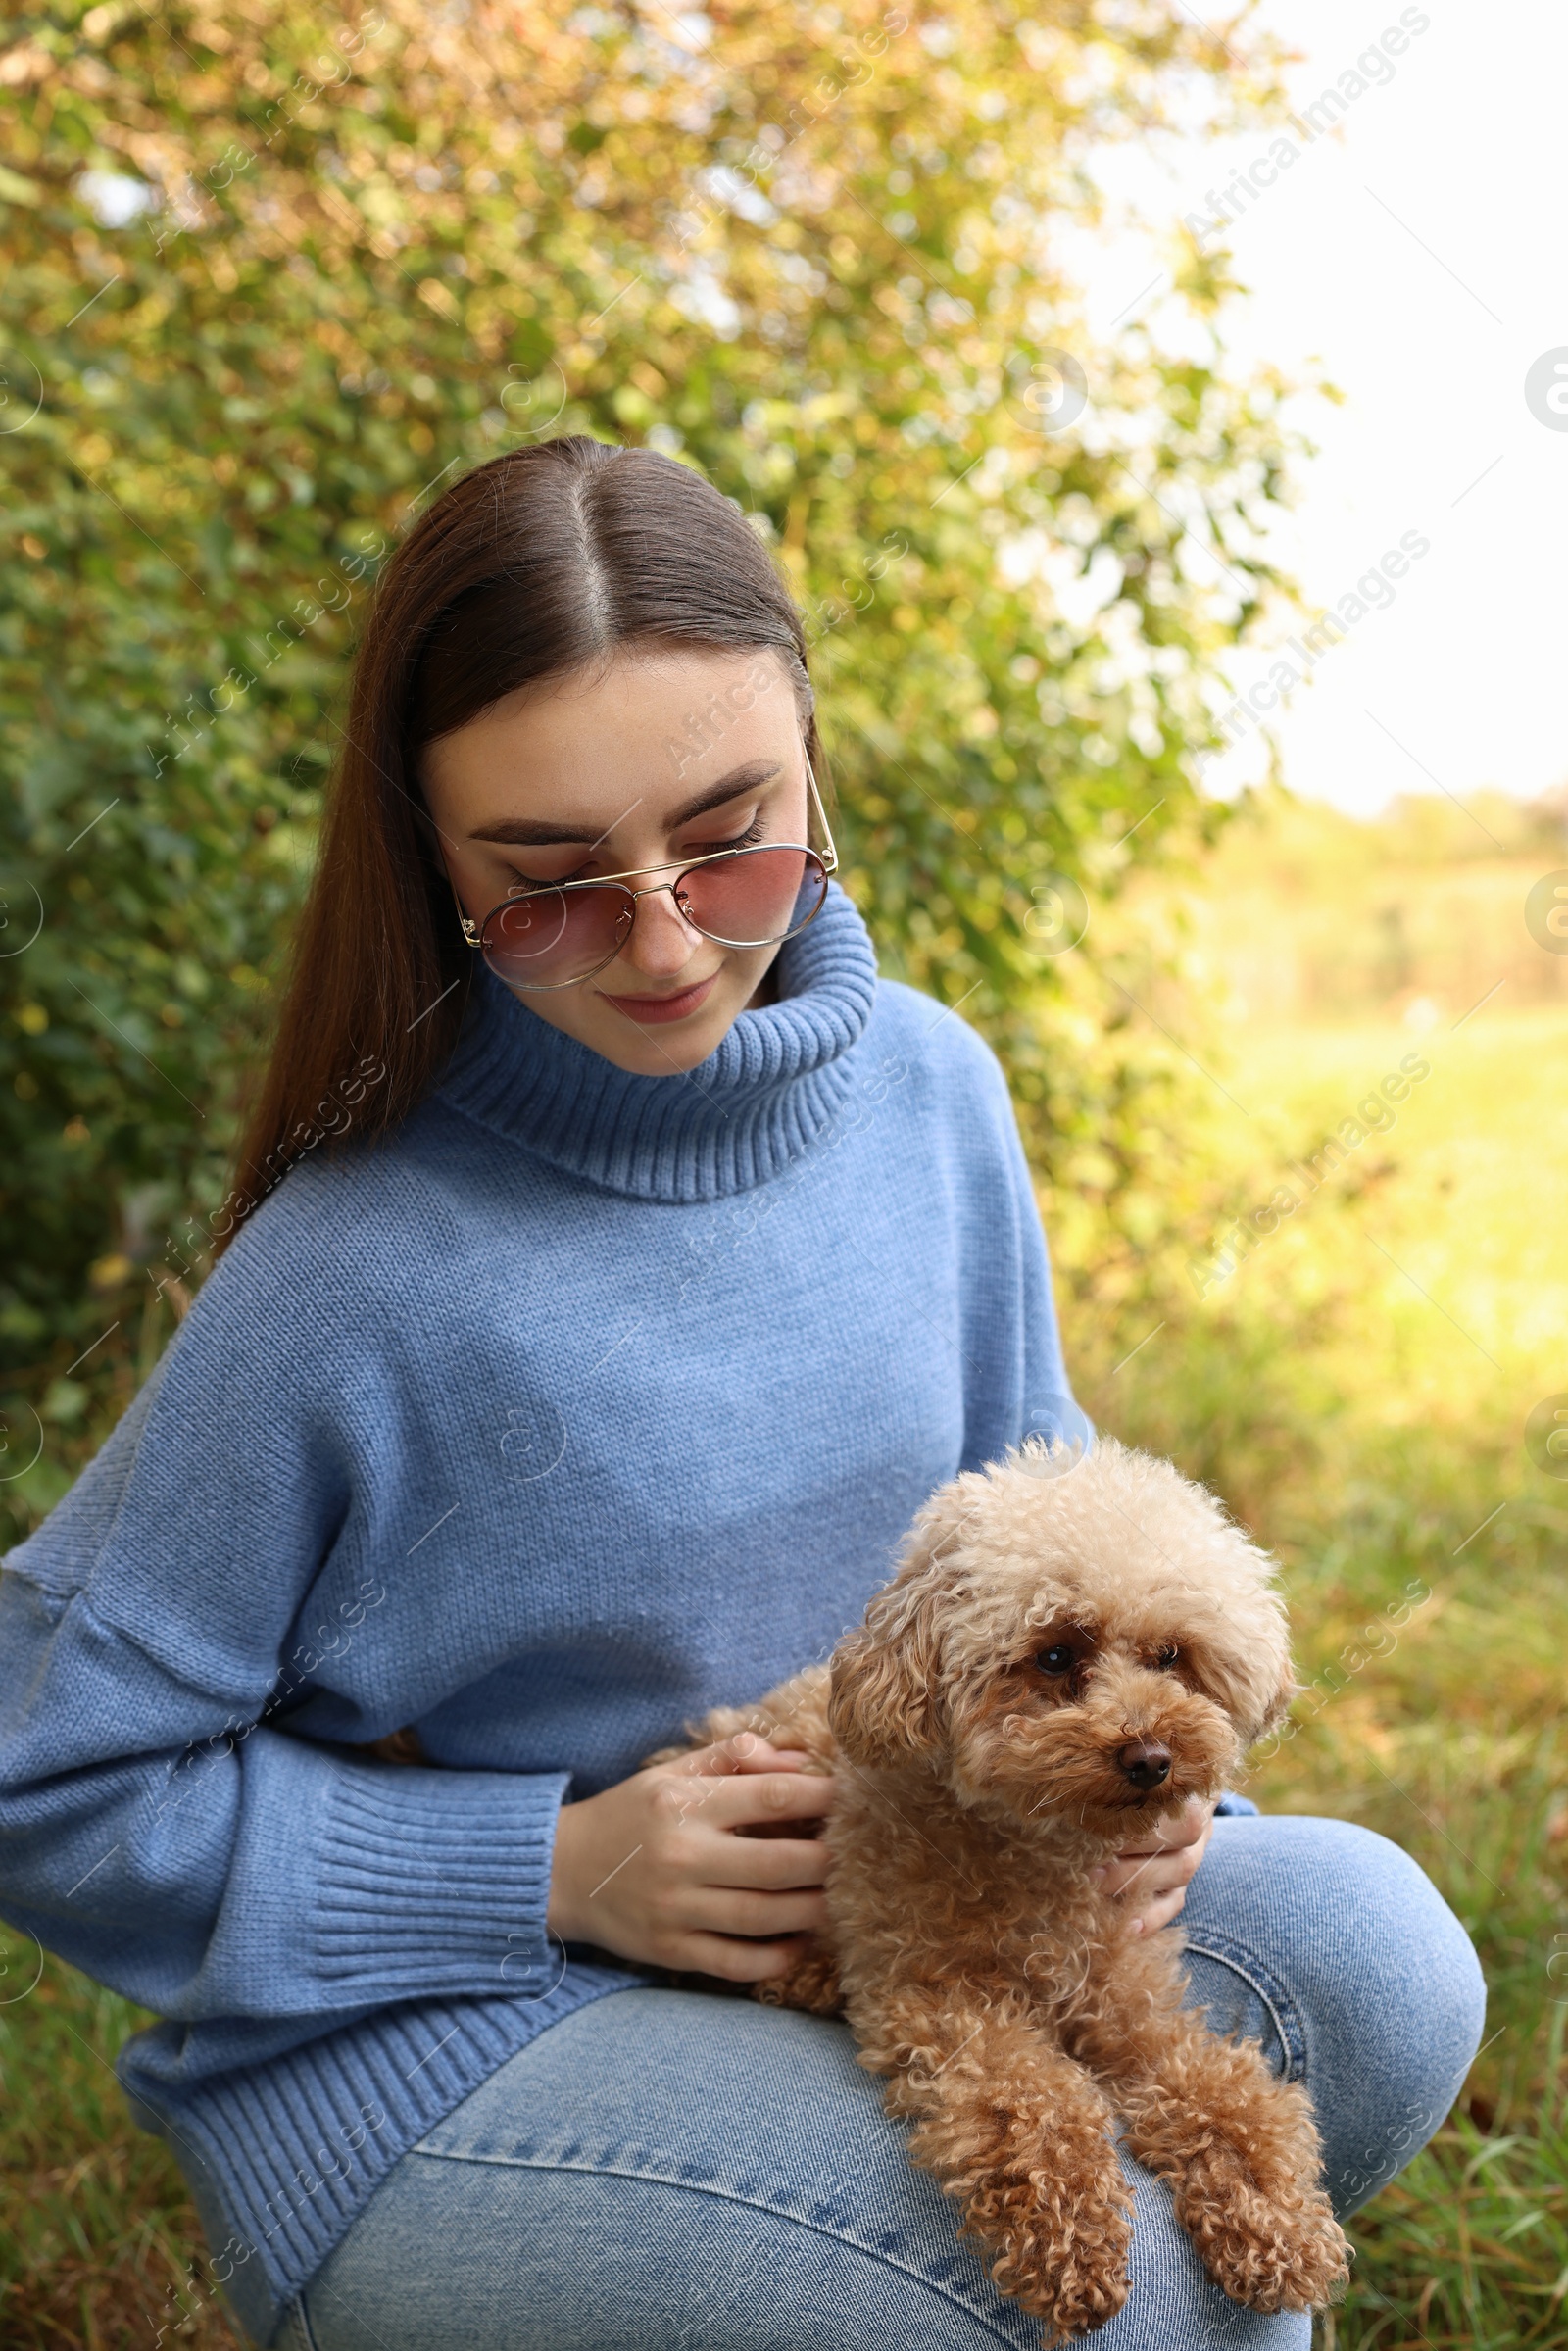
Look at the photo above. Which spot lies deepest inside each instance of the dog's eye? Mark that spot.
(1167, 1657)
(1056, 1660)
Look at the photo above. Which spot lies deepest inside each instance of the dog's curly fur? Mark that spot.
(1052, 1620)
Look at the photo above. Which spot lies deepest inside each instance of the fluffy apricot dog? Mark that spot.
(1070, 1648)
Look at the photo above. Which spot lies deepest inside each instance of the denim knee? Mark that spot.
(1394, 2002)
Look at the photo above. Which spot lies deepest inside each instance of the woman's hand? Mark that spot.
(1153, 1878)
(658, 1869)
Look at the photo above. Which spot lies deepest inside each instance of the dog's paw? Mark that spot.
(1074, 2296)
(1271, 2257)
(1083, 2301)
(1072, 2291)
(1063, 2258)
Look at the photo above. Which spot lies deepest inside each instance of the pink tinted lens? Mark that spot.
(553, 937)
(756, 896)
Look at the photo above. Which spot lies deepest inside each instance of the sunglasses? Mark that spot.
(554, 934)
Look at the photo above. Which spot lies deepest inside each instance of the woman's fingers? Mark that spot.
(745, 1751)
(1182, 1840)
(1176, 1834)
(1157, 1914)
(770, 1864)
(1153, 1883)
(1163, 1873)
(747, 1800)
(737, 1962)
(729, 1910)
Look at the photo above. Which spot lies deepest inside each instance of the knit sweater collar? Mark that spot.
(737, 1119)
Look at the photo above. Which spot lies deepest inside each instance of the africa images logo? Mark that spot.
(1547, 390)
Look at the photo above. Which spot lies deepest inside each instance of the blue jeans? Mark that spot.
(674, 2171)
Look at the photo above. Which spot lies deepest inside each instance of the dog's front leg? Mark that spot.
(1017, 2134)
(1239, 2147)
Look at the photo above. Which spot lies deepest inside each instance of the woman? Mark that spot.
(663, 1262)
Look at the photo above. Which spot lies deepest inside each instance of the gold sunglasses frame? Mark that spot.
(473, 932)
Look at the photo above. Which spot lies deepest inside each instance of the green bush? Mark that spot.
(272, 276)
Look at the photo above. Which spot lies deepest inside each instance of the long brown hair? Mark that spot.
(541, 563)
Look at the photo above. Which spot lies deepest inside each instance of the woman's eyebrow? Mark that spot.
(540, 832)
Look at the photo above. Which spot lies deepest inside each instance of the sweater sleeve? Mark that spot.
(158, 1829)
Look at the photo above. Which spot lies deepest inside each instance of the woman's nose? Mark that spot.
(662, 939)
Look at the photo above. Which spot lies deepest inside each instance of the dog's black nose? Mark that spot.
(1146, 1763)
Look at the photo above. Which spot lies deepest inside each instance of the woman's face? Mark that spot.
(665, 757)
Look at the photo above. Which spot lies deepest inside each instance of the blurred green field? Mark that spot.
(1357, 1390)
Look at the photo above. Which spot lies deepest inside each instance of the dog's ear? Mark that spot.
(885, 1695)
(882, 1702)
(1278, 1706)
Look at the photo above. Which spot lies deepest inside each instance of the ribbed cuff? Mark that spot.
(434, 1882)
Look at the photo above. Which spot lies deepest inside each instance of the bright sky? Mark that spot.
(1416, 251)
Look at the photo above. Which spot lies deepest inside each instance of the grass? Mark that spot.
(99, 2245)
(1357, 1388)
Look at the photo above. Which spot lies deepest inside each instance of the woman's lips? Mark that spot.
(663, 1007)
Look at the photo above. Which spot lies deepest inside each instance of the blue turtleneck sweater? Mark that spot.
(583, 1402)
